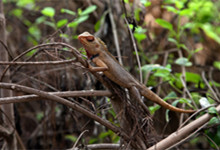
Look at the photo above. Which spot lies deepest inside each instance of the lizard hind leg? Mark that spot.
(135, 94)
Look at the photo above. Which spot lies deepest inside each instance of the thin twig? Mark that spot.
(26, 98)
(161, 79)
(183, 79)
(213, 142)
(215, 88)
(115, 35)
(135, 49)
(74, 146)
(6, 48)
(74, 106)
(194, 114)
(103, 146)
(184, 132)
(207, 84)
(14, 130)
(38, 63)
(183, 140)
(187, 91)
(32, 78)
(73, 50)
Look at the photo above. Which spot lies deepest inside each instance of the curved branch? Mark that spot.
(73, 50)
(183, 132)
(27, 98)
(74, 106)
(38, 62)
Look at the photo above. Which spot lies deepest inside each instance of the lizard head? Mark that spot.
(90, 43)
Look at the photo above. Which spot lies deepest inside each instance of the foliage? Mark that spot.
(201, 15)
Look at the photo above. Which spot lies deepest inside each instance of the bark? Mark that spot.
(10, 142)
(182, 133)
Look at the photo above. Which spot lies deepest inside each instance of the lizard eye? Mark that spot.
(90, 38)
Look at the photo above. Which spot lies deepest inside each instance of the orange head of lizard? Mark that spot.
(90, 43)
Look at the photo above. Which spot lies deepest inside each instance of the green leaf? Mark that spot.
(186, 12)
(78, 21)
(212, 110)
(27, 22)
(167, 115)
(72, 24)
(17, 12)
(153, 109)
(71, 137)
(31, 53)
(102, 135)
(208, 28)
(164, 72)
(93, 140)
(139, 29)
(62, 23)
(51, 24)
(182, 101)
(193, 77)
(150, 67)
(35, 32)
(147, 4)
(161, 71)
(29, 4)
(70, 12)
(32, 40)
(115, 138)
(81, 19)
(48, 11)
(213, 121)
(171, 95)
(64, 35)
(40, 20)
(88, 10)
(137, 14)
(40, 115)
(165, 24)
(217, 64)
(139, 36)
(172, 40)
(183, 62)
(97, 25)
(171, 9)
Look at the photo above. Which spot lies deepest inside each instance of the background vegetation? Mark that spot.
(178, 45)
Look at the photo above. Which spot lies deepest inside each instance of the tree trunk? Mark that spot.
(7, 130)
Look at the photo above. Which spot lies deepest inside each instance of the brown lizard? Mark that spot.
(97, 52)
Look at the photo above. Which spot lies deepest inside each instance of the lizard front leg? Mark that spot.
(101, 66)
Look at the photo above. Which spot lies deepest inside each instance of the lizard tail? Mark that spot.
(155, 98)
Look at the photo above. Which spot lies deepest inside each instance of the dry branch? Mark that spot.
(38, 63)
(183, 132)
(103, 146)
(28, 98)
(74, 106)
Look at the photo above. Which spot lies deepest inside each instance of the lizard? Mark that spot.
(105, 62)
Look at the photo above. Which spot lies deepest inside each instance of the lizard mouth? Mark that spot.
(88, 54)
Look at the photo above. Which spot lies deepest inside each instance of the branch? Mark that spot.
(74, 106)
(183, 132)
(38, 63)
(72, 49)
(26, 98)
(135, 49)
(103, 146)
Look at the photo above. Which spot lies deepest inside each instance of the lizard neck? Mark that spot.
(93, 56)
